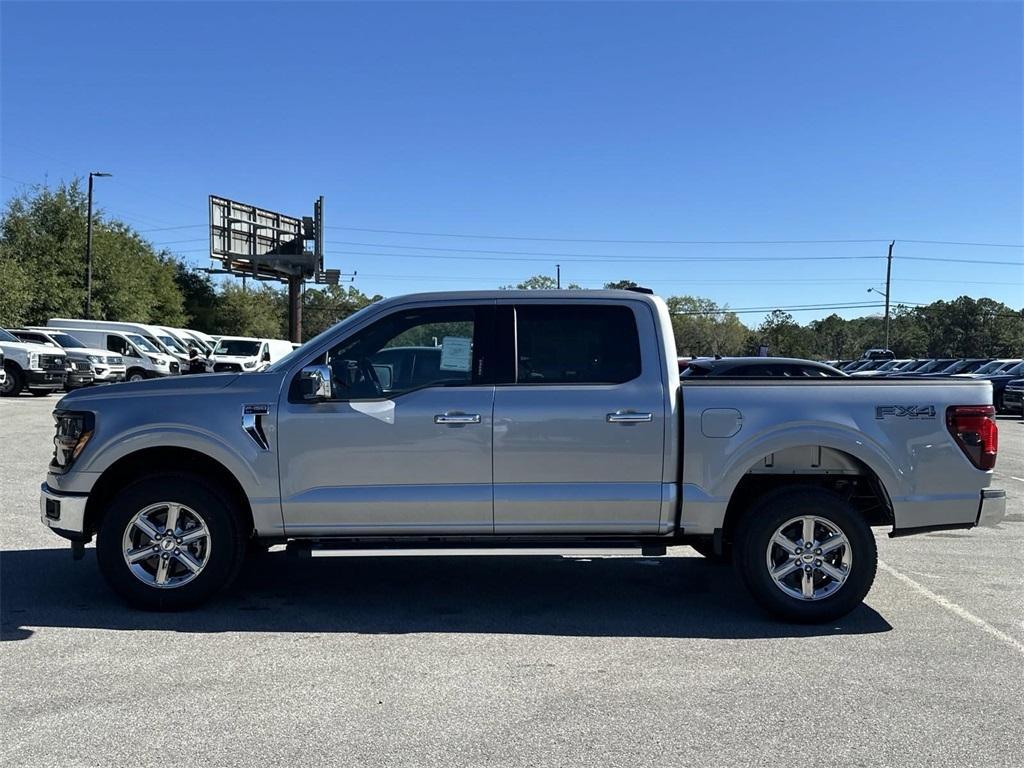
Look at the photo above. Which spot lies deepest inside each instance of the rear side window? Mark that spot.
(585, 344)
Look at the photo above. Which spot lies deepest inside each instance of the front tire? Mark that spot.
(136, 374)
(13, 383)
(169, 542)
(805, 554)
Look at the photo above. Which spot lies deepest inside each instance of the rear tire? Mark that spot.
(14, 382)
(842, 557)
(207, 533)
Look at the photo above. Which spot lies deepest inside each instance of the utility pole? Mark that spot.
(558, 275)
(88, 249)
(888, 285)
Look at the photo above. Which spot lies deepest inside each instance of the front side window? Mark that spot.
(582, 344)
(408, 350)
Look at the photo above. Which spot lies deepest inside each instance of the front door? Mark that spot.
(579, 433)
(404, 445)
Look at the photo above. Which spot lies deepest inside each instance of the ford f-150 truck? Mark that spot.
(515, 419)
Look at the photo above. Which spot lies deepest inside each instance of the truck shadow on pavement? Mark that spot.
(684, 597)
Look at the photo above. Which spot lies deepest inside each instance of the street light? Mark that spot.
(88, 249)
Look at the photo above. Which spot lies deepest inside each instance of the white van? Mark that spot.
(142, 359)
(247, 354)
(160, 339)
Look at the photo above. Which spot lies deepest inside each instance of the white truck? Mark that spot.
(106, 367)
(505, 419)
(33, 367)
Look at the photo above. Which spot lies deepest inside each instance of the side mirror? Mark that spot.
(315, 383)
(266, 356)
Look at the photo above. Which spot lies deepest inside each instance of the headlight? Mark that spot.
(95, 359)
(158, 360)
(74, 428)
(33, 359)
(249, 364)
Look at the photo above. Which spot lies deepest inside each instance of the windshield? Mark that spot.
(890, 365)
(935, 365)
(67, 341)
(5, 336)
(992, 367)
(142, 343)
(237, 347)
(1018, 368)
(172, 343)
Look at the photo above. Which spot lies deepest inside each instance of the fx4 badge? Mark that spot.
(905, 411)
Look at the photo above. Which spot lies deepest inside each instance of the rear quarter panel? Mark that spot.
(927, 477)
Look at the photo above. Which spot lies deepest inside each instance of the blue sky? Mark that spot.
(661, 121)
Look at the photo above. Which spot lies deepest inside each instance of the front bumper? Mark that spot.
(108, 374)
(78, 379)
(992, 508)
(1013, 400)
(63, 513)
(45, 379)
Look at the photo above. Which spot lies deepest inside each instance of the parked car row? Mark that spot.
(1000, 371)
(69, 353)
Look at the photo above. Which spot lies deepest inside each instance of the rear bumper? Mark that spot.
(62, 513)
(988, 510)
(992, 509)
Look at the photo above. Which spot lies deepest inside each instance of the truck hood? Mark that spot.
(174, 385)
(28, 346)
(78, 353)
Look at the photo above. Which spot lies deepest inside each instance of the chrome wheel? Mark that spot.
(166, 545)
(809, 557)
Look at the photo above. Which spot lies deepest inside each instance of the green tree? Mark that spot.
(199, 298)
(323, 307)
(257, 311)
(784, 336)
(539, 283)
(703, 328)
(620, 284)
(42, 250)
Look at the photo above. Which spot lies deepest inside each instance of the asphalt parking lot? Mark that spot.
(507, 661)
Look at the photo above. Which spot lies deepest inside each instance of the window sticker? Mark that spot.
(456, 353)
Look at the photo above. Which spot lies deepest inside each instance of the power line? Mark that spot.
(597, 240)
(467, 236)
(581, 258)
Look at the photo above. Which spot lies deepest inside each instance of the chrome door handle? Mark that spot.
(629, 417)
(457, 418)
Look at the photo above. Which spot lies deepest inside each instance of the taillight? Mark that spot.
(975, 431)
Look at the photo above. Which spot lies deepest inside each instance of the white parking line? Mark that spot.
(1018, 479)
(952, 607)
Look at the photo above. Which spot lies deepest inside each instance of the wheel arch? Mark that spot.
(814, 466)
(162, 460)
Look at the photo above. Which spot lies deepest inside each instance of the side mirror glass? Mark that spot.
(266, 356)
(315, 383)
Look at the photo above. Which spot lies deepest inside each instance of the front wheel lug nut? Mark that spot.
(817, 563)
(164, 556)
(178, 540)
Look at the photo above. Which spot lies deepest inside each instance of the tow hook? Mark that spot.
(77, 550)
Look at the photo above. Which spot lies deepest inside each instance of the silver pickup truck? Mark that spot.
(515, 419)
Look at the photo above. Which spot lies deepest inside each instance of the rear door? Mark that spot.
(579, 432)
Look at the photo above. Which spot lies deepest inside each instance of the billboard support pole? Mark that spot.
(295, 308)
